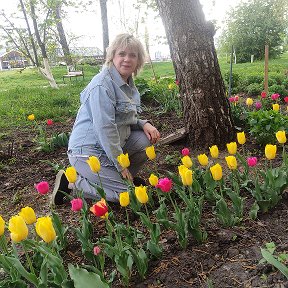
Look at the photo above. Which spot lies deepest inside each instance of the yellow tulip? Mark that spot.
(31, 117)
(2, 226)
(231, 162)
(216, 172)
(281, 137)
(28, 215)
(150, 152)
(123, 160)
(124, 199)
(153, 180)
(214, 151)
(249, 101)
(170, 86)
(276, 107)
(141, 194)
(232, 147)
(270, 151)
(186, 176)
(203, 159)
(241, 138)
(18, 228)
(71, 174)
(187, 161)
(44, 229)
(94, 164)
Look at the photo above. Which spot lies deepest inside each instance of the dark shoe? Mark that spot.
(139, 181)
(61, 184)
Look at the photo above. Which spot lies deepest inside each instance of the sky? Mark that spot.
(87, 25)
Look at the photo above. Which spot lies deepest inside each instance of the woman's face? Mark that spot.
(125, 61)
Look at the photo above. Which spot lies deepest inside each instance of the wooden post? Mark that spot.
(266, 69)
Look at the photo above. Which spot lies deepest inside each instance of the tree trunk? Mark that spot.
(62, 36)
(207, 114)
(35, 60)
(46, 72)
(105, 30)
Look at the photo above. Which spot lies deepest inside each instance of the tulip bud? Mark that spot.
(76, 204)
(187, 161)
(123, 160)
(96, 250)
(214, 151)
(252, 161)
(28, 215)
(2, 226)
(216, 172)
(124, 199)
(281, 137)
(94, 164)
(44, 228)
(42, 187)
(270, 151)
(150, 152)
(153, 180)
(231, 162)
(141, 194)
(241, 138)
(203, 159)
(232, 147)
(71, 174)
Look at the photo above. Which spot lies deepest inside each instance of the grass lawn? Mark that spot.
(24, 93)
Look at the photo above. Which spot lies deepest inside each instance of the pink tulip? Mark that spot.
(185, 152)
(263, 94)
(96, 250)
(252, 161)
(76, 204)
(232, 99)
(42, 187)
(286, 99)
(258, 105)
(275, 96)
(165, 184)
(236, 98)
(177, 82)
(49, 122)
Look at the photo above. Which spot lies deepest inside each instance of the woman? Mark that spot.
(107, 125)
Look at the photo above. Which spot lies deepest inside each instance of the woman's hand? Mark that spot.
(126, 174)
(151, 132)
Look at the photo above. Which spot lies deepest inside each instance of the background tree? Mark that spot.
(62, 36)
(105, 30)
(253, 24)
(207, 115)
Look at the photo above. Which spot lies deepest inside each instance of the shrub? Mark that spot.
(264, 124)
(254, 89)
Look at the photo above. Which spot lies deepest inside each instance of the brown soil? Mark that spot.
(229, 257)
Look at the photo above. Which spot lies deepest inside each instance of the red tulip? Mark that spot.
(252, 161)
(263, 94)
(286, 99)
(96, 250)
(232, 99)
(275, 96)
(76, 204)
(100, 208)
(49, 122)
(42, 187)
(165, 184)
(185, 152)
(177, 82)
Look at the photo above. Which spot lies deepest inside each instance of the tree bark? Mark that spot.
(62, 36)
(207, 114)
(35, 60)
(105, 29)
(46, 72)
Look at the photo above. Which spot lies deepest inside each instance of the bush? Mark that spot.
(264, 124)
(280, 89)
(254, 89)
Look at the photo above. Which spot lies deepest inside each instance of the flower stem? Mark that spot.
(28, 259)
(127, 216)
(3, 244)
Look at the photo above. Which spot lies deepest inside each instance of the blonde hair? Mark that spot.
(124, 41)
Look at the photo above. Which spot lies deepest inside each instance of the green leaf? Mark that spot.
(254, 210)
(16, 264)
(273, 261)
(83, 278)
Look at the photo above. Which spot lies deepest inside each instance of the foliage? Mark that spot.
(253, 24)
(264, 124)
(278, 261)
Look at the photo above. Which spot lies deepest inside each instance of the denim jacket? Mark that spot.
(108, 112)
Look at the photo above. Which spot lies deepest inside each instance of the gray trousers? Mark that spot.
(111, 179)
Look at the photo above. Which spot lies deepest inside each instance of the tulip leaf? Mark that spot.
(254, 210)
(16, 264)
(273, 261)
(83, 278)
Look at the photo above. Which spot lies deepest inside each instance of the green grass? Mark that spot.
(28, 92)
